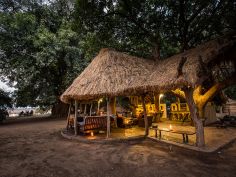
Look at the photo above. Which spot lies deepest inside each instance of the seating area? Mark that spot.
(88, 123)
(93, 123)
(184, 133)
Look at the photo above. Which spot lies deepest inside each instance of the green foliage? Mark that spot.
(154, 27)
(40, 52)
(5, 100)
(231, 92)
(44, 46)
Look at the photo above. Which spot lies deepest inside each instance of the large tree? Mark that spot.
(218, 75)
(154, 28)
(39, 50)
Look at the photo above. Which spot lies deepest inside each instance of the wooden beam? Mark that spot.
(112, 106)
(76, 115)
(68, 116)
(145, 116)
(108, 119)
(90, 111)
(80, 108)
(85, 109)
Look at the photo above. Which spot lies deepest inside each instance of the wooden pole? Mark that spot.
(80, 108)
(112, 106)
(85, 109)
(108, 119)
(98, 110)
(90, 111)
(75, 121)
(156, 102)
(68, 116)
(145, 116)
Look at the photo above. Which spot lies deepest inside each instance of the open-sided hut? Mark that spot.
(112, 73)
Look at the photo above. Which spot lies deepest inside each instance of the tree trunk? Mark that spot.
(60, 109)
(201, 112)
(200, 140)
(145, 116)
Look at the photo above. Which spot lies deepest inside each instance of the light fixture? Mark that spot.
(161, 95)
(100, 100)
(91, 133)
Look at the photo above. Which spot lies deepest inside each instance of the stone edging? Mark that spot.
(194, 148)
(120, 140)
(101, 141)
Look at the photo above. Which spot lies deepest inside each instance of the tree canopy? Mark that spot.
(39, 50)
(154, 28)
(5, 100)
(44, 45)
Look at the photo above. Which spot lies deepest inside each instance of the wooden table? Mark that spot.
(160, 130)
(184, 133)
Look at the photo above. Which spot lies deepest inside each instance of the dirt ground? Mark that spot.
(35, 148)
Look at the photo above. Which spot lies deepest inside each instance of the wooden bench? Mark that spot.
(93, 123)
(184, 134)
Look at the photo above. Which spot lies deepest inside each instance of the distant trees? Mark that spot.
(5, 102)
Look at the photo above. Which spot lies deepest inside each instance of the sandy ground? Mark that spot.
(36, 149)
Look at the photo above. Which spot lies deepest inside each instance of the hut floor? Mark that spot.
(215, 138)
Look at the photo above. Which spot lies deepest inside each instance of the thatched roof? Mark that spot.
(109, 74)
(112, 73)
(192, 66)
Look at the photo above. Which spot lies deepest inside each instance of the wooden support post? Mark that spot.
(145, 116)
(98, 110)
(90, 111)
(112, 106)
(156, 102)
(80, 108)
(75, 121)
(68, 116)
(85, 109)
(108, 119)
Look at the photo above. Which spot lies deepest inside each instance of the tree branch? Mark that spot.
(179, 93)
(217, 87)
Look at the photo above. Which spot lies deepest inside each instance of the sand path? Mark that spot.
(36, 149)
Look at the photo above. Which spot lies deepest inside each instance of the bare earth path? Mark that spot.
(36, 149)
